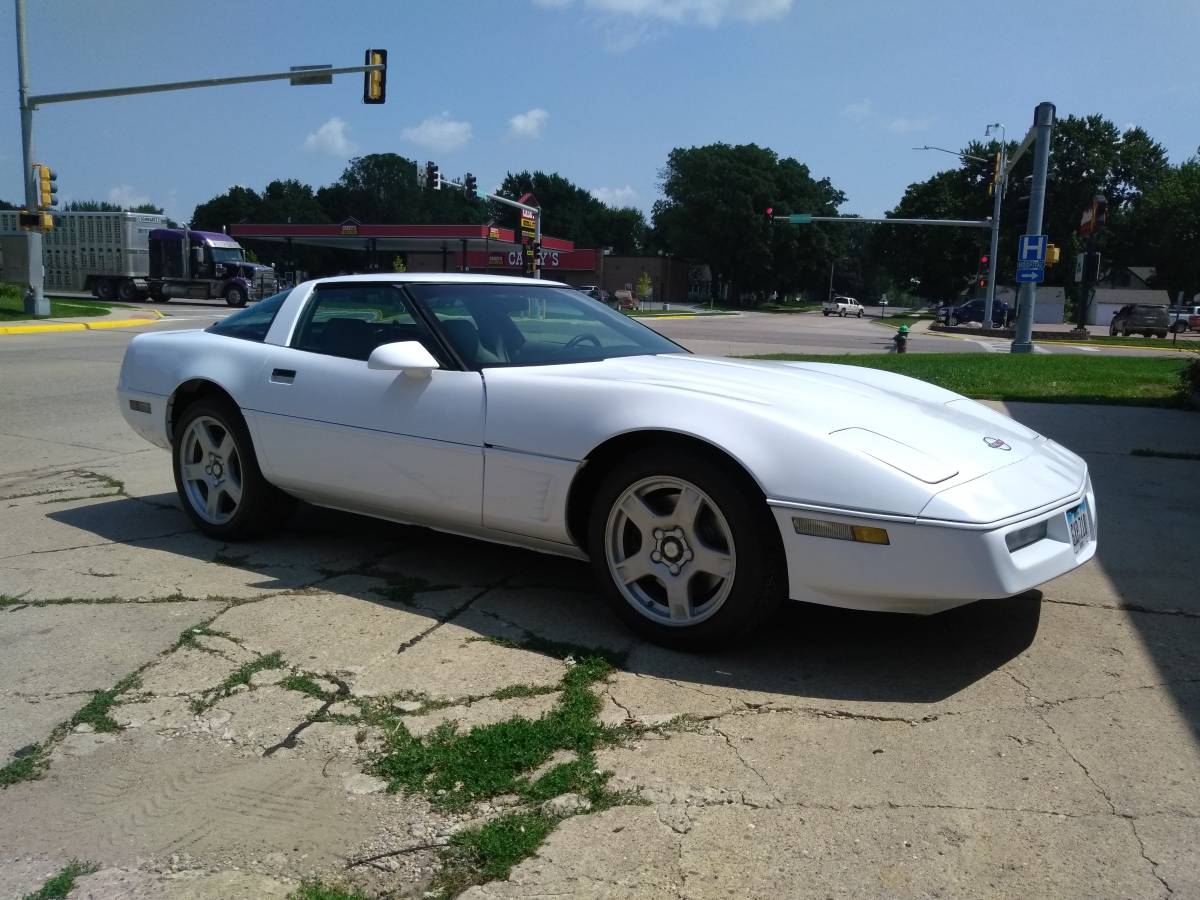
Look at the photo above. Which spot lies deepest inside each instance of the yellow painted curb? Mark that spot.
(119, 323)
(37, 329)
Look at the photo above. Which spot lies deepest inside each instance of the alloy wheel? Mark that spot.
(210, 467)
(670, 551)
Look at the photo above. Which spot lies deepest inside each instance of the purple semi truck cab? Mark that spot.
(204, 265)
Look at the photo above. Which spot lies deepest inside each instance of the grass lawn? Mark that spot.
(660, 313)
(1132, 380)
(12, 307)
(1183, 342)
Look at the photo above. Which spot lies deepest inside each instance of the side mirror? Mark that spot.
(409, 357)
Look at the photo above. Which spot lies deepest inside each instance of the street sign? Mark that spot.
(320, 75)
(1031, 259)
(1079, 267)
(800, 218)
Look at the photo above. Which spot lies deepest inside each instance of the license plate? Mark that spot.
(1079, 523)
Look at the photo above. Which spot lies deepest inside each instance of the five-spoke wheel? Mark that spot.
(685, 547)
(670, 551)
(217, 474)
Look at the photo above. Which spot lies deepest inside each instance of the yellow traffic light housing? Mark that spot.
(995, 176)
(46, 184)
(375, 81)
(1053, 255)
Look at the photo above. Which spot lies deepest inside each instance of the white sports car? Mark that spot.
(703, 490)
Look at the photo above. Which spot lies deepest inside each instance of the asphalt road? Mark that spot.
(753, 333)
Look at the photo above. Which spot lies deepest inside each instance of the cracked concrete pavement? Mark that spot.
(1044, 745)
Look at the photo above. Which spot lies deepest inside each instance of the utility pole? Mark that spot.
(998, 196)
(36, 303)
(374, 91)
(1043, 125)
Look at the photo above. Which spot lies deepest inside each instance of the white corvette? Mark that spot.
(703, 490)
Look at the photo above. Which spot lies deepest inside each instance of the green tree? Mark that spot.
(1168, 219)
(380, 188)
(238, 204)
(290, 201)
(713, 211)
(572, 212)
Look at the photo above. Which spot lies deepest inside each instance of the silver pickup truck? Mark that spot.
(842, 306)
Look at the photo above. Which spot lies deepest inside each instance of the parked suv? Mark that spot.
(842, 306)
(972, 311)
(1140, 318)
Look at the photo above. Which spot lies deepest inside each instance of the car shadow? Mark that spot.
(804, 651)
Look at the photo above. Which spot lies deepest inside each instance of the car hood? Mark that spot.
(935, 434)
(807, 411)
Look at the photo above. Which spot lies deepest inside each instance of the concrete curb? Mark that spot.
(49, 327)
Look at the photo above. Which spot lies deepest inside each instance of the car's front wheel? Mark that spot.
(687, 556)
(217, 476)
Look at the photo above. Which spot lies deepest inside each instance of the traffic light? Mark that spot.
(375, 81)
(47, 186)
(770, 214)
(995, 175)
(433, 176)
(983, 260)
(471, 186)
(1053, 255)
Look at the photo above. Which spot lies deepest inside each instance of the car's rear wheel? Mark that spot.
(687, 556)
(217, 475)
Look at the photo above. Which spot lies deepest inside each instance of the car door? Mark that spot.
(337, 433)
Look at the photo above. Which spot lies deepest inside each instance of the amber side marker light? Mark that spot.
(863, 534)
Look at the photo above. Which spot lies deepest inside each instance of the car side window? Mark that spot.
(351, 320)
(253, 322)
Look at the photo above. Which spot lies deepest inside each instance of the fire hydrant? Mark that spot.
(901, 339)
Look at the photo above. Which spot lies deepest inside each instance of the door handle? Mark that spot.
(283, 376)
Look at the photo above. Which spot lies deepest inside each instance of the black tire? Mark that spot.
(1125, 332)
(860, 313)
(235, 295)
(127, 291)
(104, 289)
(825, 313)
(759, 575)
(262, 506)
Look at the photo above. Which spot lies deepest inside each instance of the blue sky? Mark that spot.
(598, 90)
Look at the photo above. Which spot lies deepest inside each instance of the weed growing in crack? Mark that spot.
(306, 684)
(489, 852)
(404, 588)
(96, 711)
(26, 767)
(240, 676)
(316, 890)
(456, 770)
(59, 885)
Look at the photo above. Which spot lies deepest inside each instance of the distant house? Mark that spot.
(1122, 285)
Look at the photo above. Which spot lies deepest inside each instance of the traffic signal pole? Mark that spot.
(35, 301)
(1043, 125)
(998, 197)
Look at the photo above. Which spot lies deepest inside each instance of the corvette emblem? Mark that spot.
(997, 444)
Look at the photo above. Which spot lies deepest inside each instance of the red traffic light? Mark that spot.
(770, 211)
(983, 260)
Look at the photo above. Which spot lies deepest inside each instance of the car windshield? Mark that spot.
(491, 325)
(228, 254)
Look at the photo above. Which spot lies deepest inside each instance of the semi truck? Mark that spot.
(134, 256)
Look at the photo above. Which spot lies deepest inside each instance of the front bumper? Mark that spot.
(928, 566)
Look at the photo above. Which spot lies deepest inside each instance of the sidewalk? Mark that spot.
(115, 318)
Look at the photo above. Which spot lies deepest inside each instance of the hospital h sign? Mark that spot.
(1031, 258)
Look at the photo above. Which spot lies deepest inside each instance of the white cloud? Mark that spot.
(702, 12)
(615, 196)
(330, 138)
(529, 124)
(124, 195)
(858, 112)
(903, 125)
(439, 133)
